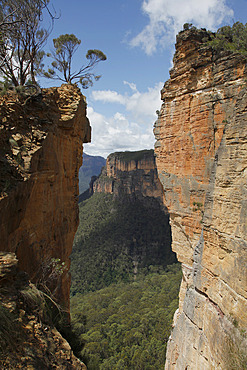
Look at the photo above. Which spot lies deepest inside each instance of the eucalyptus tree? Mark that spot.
(21, 51)
(61, 69)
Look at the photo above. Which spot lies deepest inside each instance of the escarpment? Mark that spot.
(201, 152)
(124, 227)
(130, 173)
(40, 153)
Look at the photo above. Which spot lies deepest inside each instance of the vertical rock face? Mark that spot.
(130, 173)
(201, 152)
(40, 152)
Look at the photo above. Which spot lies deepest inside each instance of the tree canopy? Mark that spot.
(232, 38)
(114, 235)
(127, 325)
(21, 44)
(65, 47)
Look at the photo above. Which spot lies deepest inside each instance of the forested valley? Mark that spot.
(125, 283)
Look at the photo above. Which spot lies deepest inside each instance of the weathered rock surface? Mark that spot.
(27, 339)
(201, 152)
(40, 154)
(130, 173)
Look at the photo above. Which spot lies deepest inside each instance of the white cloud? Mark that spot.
(119, 116)
(131, 85)
(140, 104)
(108, 96)
(117, 133)
(167, 17)
(145, 104)
(131, 129)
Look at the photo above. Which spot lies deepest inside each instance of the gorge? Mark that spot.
(124, 226)
(200, 186)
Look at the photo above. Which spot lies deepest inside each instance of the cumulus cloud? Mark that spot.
(108, 96)
(117, 133)
(140, 104)
(167, 17)
(129, 129)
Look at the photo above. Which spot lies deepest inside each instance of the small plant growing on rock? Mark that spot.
(198, 207)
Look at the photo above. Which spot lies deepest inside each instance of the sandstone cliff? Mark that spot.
(124, 227)
(201, 159)
(130, 173)
(40, 152)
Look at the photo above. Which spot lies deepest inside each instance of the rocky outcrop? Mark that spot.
(40, 152)
(201, 152)
(124, 228)
(130, 173)
(28, 340)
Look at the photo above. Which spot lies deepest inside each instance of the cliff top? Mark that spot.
(25, 122)
(128, 156)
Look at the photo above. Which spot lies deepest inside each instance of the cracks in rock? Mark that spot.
(215, 305)
(190, 319)
(232, 290)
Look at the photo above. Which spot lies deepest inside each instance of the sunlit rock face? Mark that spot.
(130, 173)
(40, 152)
(201, 158)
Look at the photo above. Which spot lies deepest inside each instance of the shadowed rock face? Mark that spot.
(201, 158)
(40, 152)
(28, 338)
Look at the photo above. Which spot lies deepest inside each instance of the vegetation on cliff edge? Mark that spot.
(232, 38)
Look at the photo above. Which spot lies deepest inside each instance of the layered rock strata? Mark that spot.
(130, 173)
(40, 152)
(201, 152)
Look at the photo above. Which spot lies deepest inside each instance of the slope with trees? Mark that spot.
(116, 239)
(127, 325)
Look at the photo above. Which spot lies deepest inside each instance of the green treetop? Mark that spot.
(65, 47)
(22, 39)
(231, 38)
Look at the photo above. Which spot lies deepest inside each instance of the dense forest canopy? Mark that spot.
(116, 238)
(127, 325)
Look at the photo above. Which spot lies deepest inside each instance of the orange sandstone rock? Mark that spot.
(130, 173)
(201, 156)
(41, 152)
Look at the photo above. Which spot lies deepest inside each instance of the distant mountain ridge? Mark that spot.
(92, 166)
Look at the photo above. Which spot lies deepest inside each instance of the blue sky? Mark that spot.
(138, 39)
